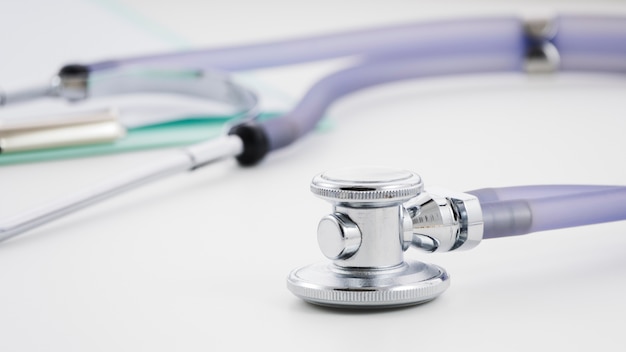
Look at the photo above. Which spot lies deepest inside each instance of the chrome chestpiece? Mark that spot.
(377, 214)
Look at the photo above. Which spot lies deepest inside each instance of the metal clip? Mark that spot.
(541, 55)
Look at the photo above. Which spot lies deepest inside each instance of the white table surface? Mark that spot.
(198, 262)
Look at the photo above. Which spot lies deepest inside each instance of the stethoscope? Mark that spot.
(377, 213)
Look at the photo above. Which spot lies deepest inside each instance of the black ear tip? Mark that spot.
(255, 142)
(74, 70)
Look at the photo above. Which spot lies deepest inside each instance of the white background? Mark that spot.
(198, 262)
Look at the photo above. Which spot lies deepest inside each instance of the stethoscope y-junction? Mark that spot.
(377, 213)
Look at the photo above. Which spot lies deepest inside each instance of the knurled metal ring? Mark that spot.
(367, 184)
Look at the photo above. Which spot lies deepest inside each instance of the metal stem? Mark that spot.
(184, 160)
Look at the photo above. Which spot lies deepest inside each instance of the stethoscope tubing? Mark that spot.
(521, 210)
(385, 55)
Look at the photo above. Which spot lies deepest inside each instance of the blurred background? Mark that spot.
(199, 261)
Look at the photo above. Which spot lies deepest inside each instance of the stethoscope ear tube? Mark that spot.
(255, 142)
(302, 119)
(169, 163)
(579, 43)
(436, 38)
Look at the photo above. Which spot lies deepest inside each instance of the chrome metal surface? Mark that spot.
(407, 229)
(169, 164)
(213, 150)
(424, 242)
(542, 58)
(407, 284)
(203, 84)
(433, 217)
(381, 236)
(11, 97)
(366, 186)
(446, 220)
(371, 197)
(70, 87)
(541, 55)
(389, 211)
(470, 216)
(337, 236)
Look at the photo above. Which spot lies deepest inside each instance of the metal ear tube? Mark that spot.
(378, 214)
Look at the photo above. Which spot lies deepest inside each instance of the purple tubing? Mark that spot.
(591, 43)
(578, 209)
(427, 50)
(487, 195)
(480, 35)
(587, 43)
(286, 129)
(403, 52)
(518, 213)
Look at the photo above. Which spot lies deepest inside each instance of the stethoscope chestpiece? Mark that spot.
(365, 237)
